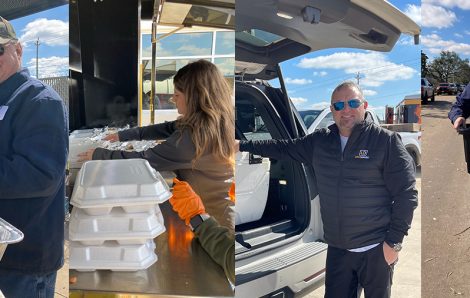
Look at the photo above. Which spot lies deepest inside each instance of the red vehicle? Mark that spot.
(445, 88)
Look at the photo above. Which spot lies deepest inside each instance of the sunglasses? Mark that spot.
(352, 103)
(3, 49)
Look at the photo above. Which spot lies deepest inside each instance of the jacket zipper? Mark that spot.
(339, 199)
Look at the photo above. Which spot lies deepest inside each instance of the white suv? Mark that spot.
(427, 91)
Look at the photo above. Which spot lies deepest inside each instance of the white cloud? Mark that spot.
(298, 101)
(147, 52)
(374, 67)
(320, 73)
(436, 16)
(436, 44)
(406, 40)
(368, 92)
(458, 35)
(414, 12)
(49, 67)
(462, 4)
(320, 105)
(297, 81)
(49, 32)
(194, 50)
(467, 32)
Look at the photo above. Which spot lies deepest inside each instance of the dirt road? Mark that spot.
(445, 206)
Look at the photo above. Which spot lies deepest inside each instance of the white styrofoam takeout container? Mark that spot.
(77, 146)
(112, 256)
(252, 187)
(8, 235)
(125, 228)
(131, 184)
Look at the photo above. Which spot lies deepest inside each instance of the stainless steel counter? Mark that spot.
(183, 269)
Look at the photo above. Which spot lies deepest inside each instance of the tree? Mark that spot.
(464, 74)
(424, 65)
(447, 66)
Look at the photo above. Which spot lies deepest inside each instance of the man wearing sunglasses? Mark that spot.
(366, 184)
(33, 154)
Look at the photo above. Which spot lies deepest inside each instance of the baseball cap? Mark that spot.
(7, 33)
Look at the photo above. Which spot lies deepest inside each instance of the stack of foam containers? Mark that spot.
(116, 215)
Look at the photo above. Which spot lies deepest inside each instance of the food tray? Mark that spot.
(125, 228)
(131, 184)
(8, 235)
(112, 256)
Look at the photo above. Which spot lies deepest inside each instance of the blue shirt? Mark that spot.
(33, 155)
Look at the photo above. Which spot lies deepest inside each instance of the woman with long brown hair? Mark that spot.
(199, 145)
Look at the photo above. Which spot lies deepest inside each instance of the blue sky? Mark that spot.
(386, 78)
(445, 27)
(51, 26)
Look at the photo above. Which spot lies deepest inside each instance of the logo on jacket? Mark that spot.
(363, 154)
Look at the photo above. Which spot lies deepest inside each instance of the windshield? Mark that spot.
(257, 37)
(308, 116)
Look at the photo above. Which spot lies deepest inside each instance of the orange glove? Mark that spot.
(231, 192)
(185, 201)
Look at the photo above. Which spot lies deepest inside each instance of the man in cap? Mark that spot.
(33, 154)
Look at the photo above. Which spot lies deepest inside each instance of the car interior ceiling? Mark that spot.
(285, 213)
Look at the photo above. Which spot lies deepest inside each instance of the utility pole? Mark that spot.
(358, 77)
(37, 58)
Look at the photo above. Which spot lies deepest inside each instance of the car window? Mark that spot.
(308, 116)
(250, 122)
(325, 122)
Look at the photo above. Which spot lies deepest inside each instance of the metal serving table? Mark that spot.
(183, 269)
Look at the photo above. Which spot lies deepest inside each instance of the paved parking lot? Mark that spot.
(446, 206)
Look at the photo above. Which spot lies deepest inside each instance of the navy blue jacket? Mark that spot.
(461, 107)
(33, 155)
(367, 193)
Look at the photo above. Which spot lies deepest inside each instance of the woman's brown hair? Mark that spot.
(209, 109)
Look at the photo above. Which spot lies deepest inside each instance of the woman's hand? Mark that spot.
(114, 137)
(185, 201)
(86, 156)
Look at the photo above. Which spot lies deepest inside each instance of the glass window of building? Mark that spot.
(175, 51)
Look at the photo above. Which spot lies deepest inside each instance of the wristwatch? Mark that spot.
(395, 246)
(195, 221)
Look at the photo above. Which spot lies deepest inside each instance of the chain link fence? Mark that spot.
(60, 85)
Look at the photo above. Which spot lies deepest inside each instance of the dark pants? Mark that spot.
(20, 285)
(347, 271)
